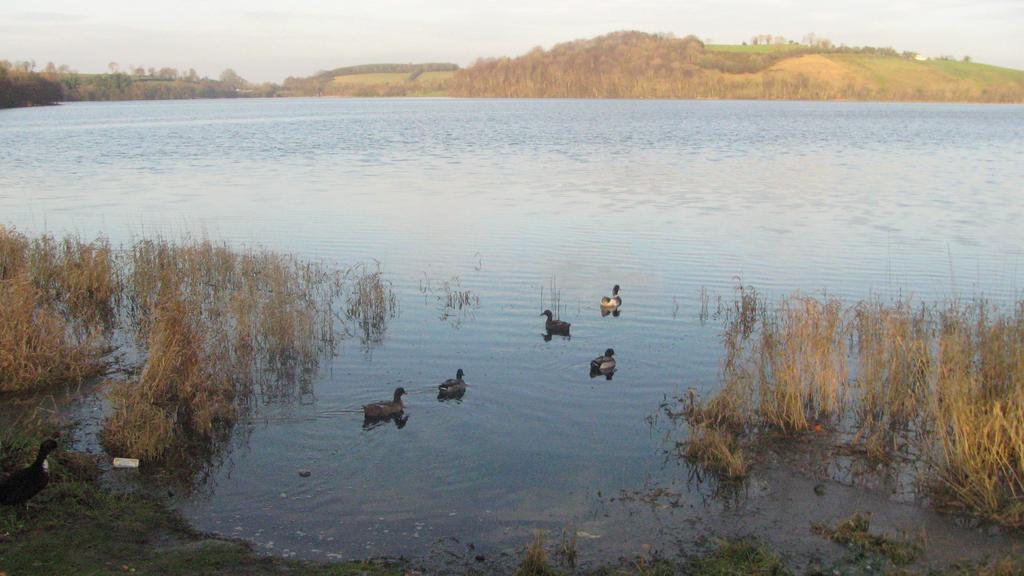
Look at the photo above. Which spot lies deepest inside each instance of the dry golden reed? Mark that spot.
(535, 560)
(219, 325)
(802, 364)
(717, 451)
(53, 300)
(214, 326)
(893, 366)
(978, 410)
(947, 382)
(184, 391)
(36, 348)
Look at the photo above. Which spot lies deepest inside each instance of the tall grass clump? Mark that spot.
(37, 349)
(535, 560)
(211, 327)
(716, 450)
(943, 386)
(894, 364)
(219, 327)
(978, 411)
(79, 277)
(52, 301)
(185, 389)
(802, 368)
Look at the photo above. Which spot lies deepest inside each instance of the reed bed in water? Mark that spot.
(944, 384)
(716, 450)
(184, 391)
(221, 325)
(57, 297)
(212, 327)
(371, 304)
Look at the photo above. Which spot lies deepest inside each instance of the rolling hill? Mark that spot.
(641, 65)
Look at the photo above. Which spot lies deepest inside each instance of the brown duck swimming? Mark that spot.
(385, 409)
(555, 326)
(22, 485)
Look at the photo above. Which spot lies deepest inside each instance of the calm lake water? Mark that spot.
(664, 198)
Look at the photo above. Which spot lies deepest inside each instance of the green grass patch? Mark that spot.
(438, 76)
(984, 73)
(735, 557)
(854, 532)
(371, 79)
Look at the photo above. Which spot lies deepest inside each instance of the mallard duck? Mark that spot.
(613, 301)
(555, 326)
(385, 409)
(604, 363)
(22, 485)
(452, 387)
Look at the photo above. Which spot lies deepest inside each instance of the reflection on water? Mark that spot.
(848, 199)
(399, 420)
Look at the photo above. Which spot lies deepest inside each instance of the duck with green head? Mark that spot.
(452, 387)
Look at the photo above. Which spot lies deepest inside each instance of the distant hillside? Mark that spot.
(429, 79)
(641, 65)
(618, 65)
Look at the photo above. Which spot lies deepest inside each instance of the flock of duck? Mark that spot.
(22, 485)
(455, 388)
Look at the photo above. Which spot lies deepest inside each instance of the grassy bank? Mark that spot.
(77, 527)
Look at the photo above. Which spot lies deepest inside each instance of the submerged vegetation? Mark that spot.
(939, 386)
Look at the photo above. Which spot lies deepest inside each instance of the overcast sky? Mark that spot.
(272, 39)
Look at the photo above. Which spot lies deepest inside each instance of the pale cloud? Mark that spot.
(271, 39)
(48, 17)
